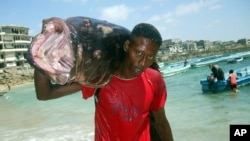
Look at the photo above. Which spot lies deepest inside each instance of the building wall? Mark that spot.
(14, 44)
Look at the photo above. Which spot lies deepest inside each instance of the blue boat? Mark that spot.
(243, 78)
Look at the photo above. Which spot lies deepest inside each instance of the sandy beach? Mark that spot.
(5, 88)
(15, 77)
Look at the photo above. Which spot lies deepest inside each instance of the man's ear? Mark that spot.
(126, 45)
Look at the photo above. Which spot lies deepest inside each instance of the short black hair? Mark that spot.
(148, 31)
(231, 71)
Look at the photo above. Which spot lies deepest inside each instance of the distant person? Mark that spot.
(217, 72)
(232, 80)
(246, 71)
(8, 85)
(185, 63)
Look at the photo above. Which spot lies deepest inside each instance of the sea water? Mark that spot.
(193, 115)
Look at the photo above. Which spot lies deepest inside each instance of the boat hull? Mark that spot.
(218, 86)
(235, 60)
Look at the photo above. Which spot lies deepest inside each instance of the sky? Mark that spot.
(214, 20)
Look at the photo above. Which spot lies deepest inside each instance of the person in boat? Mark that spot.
(217, 72)
(232, 80)
(185, 62)
(123, 106)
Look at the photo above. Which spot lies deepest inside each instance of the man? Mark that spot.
(232, 78)
(217, 72)
(134, 91)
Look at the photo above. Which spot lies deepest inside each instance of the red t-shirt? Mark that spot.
(123, 106)
(233, 79)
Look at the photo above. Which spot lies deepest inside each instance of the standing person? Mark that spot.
(135, 90)
(232, 80)
(185, 62)
(217, 72)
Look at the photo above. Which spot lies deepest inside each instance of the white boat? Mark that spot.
(174, 68)
(206, 62)
(161, 64)
(193, 60)
(235, 59)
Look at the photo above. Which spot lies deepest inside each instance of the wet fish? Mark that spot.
(78, 49)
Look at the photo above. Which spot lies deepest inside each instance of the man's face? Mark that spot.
(140, 55)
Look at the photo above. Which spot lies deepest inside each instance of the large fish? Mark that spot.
(78, 49)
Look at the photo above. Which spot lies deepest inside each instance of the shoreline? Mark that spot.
(5, 89)
(15, 77)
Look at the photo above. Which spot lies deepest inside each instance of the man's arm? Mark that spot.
(162, 125)
(45, 90)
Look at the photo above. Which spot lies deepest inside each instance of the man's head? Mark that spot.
(211, 66)
(141, 48)
(148, 31)
(231, 71)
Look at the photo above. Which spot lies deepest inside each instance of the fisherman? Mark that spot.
(217, 72)
(216, 75)
(124, 105)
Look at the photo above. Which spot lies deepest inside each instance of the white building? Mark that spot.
(14, 44)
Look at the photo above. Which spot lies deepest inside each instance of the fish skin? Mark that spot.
(78, 49)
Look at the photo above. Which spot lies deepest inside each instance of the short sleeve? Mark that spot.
(87, 92)
(160, 95)
(159, 88)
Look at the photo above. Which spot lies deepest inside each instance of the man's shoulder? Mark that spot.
(152, 73)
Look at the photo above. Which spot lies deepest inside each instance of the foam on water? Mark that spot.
(55, 133)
